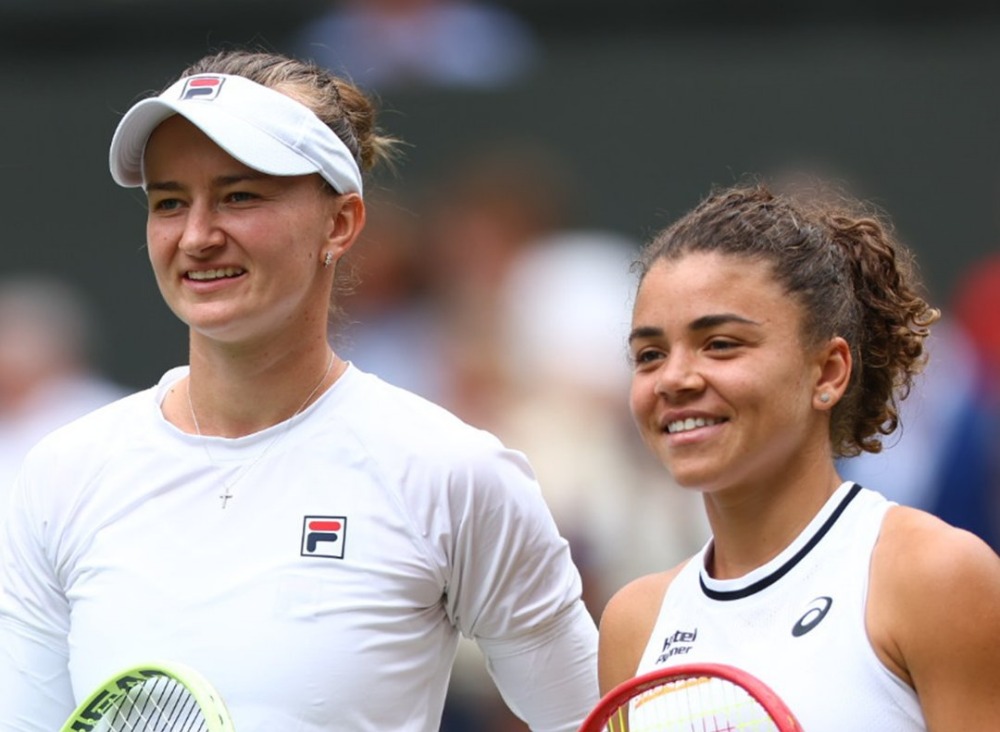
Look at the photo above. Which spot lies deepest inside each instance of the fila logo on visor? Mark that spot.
(202, 88)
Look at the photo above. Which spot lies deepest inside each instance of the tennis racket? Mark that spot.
(155, 697)
(703, 697)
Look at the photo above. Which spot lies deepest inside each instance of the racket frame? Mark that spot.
(89, 712)
(601, 715)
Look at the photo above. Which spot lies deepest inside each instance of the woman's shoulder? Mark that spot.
(413, 421)
(641, 597)
(916, 547)
(934, 594)
(627, 622)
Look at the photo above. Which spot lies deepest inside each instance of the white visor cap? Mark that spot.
(262, 128)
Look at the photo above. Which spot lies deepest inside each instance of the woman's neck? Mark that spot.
(754, 524)
(232, 393)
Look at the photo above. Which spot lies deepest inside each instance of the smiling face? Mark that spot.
(237, 254)
(724, 392)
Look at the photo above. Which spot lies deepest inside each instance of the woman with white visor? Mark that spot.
(310, 538)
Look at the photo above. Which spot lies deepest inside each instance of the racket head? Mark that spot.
(708, 697)
(124, 701)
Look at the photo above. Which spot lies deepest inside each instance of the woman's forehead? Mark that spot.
(703, 285)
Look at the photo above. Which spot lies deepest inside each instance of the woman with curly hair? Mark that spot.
(775, 330)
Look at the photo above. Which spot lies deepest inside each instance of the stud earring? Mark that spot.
(825, 398)
(328, 259)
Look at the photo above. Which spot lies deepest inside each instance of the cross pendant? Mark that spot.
(225, 497)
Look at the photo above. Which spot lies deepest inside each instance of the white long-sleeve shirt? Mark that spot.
(362, 537)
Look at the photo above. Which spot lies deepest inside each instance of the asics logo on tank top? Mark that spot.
(323, 536)
(676, 644)
(818, 609)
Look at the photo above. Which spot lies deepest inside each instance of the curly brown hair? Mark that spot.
(839, 257)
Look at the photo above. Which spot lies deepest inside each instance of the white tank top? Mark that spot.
(797, 623)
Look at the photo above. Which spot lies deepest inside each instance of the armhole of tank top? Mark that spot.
(897, 688)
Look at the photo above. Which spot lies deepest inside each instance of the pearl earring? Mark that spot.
(824, 397)
(328, 259)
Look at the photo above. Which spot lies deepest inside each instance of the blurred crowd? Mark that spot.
(486, 292)
(391, 44)
(49, 336)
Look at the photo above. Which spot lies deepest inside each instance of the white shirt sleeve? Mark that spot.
(35, 693)
(516, 591)
(549, 678)
(35, 690)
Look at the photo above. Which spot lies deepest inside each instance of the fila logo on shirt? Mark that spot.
(679, 643)
(323, 536)
(202, 88)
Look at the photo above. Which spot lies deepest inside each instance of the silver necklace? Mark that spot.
(228, 494)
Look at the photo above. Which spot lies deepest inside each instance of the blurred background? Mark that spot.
(545, 141)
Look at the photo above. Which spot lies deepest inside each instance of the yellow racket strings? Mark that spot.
(160, 704)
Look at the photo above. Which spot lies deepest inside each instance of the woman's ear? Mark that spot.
(347, 219)
(834, 373)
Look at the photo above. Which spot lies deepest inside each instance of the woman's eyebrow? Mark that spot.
(711, 321)
(705, 322)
